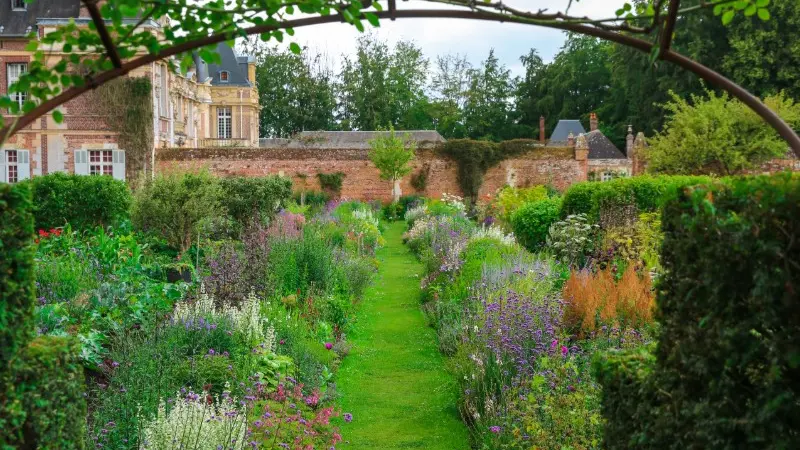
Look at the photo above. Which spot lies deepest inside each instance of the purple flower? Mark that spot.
(211, 352)
(328, 345)
(494, 429)
(564, 350)
(348, 417)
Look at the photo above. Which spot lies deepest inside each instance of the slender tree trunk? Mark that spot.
(396, 190)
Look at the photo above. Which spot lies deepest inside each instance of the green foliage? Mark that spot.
(331, 183)
(47, 385)
(177, 205)
(78, 200)
(487, 110)
(126, 105)
(474, 158)
(392, 155)
(647, 193)
(298, 89)
(531, 223)
(16, 271)
(726, 361)
(254, 198)
(508, 200)
(572, 239)
(419, 180)
(717, 135)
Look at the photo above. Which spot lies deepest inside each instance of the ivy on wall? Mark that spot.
(331, 182)
(127, 107)
(475, 158)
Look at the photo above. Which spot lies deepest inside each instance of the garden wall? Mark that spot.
(555, 166)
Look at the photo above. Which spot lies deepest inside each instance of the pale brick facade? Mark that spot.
(186, 107)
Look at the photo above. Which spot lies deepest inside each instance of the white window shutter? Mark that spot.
(3, 175)
(81, 162)
(23, 164)
(118, 161)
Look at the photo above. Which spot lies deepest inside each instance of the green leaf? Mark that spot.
(372, 18)
(763, 14)
(295, 48)
(58, 116)
(750, 10)
(762, 3)
(728, 16)
(32, 46)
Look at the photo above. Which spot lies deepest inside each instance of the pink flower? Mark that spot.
(328, 345)
(564, 350)
(494, 429)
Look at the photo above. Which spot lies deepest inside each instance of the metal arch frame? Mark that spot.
(663, 48)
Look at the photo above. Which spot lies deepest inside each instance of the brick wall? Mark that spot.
(542, 166)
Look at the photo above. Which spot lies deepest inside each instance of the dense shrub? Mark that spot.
(507, 201)
(48, 381)
(331, 183)
(531, 222)
(16, 270)
(727, 359)
(248, 198)
(177, 205)
(648, 193)
(79, 200)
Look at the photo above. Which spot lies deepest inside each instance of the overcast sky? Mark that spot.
(467, 37)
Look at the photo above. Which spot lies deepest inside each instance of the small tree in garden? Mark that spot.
(392, 155)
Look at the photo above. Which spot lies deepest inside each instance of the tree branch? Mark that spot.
(100, 24)
(669, 26)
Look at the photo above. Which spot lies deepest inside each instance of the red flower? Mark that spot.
(43, 233)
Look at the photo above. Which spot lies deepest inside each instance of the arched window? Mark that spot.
(224, 76)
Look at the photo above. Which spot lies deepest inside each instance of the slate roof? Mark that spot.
(329, 140)
(16, 23)
(601, 147)
(237, 71)
(562, 131)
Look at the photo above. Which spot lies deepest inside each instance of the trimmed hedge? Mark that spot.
(250, 197)
(41, 381)
(648, 193)
(727, 365)
(80, 200)
(532, 221)
(47, 387)
(16, 270)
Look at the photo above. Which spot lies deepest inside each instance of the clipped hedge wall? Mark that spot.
(41, 380)
(532, 221)
(648, 193)
(80, 200)
(16, 270)
(47, 387)
(727, 367)
(259, 197)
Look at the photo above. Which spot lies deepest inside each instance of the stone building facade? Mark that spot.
(210, 106)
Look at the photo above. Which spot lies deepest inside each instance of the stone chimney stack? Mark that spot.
(637, 153)
(581, 148)
(541, 130)
(571, 140)
(629, 143)
(592, 122)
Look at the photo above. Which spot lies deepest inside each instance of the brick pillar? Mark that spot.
(592, 122)
(582, 155)
(571, 140)
(629, 143)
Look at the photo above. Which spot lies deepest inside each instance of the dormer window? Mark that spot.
(18, 5)
(224, 76)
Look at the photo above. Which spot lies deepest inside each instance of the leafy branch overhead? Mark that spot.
(126, 34)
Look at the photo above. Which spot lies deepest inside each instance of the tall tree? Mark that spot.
(295, 92)
(487, 111)
(449, 86)
(383, 86)
(392, 155)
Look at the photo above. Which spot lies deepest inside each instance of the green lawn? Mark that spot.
(394, 381)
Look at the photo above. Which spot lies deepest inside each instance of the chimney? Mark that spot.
(541, 130)
(592, 122)
(581, 148)
(571, 140)
(629, 143)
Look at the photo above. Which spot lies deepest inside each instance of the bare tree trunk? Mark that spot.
(396, 190)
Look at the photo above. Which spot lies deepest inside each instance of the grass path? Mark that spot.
(394, 381)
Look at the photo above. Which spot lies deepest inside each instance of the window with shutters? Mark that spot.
(19, 5)
(224, 122)
(14, 71)
(101, 162)
(12, 169)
